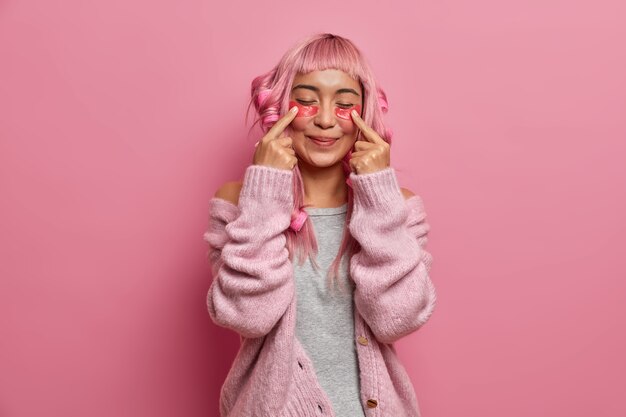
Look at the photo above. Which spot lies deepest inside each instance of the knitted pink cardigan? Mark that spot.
(253, 293)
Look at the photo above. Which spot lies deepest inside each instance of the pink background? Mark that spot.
(119, 119)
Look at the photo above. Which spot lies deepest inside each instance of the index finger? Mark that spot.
(369, 133)
(282, 123)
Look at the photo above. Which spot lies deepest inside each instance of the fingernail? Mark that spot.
(294, 109)
(354, 113)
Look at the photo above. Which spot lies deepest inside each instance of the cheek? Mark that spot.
(299, 124)
(347, 126)
(345, 120)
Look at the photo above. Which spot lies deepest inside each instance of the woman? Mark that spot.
(320, 187)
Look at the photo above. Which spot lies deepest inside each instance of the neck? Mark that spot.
(324, 186)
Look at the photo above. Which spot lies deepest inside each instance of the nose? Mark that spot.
(325, 117)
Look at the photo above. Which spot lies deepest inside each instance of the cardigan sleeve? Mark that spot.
(393, 293)
(252, 282)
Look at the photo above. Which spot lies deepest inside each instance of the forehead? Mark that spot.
(328, 80)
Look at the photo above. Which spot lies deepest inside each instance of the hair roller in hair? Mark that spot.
(269, 120)
(262, 96)
(298, 221)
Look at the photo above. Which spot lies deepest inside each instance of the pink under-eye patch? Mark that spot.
(308, 111)
(304, 111)
(345, 113)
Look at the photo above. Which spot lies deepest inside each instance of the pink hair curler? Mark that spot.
(298, 221)
(262, 96)
(269, 120)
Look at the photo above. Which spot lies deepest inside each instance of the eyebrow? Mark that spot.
(317, 90)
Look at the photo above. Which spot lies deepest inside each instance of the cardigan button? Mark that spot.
(372, 403)
(362, 340)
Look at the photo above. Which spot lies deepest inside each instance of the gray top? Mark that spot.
(325, 320)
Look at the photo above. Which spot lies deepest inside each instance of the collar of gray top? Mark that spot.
(326, 211)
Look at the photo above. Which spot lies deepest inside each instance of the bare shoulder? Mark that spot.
(407, 193)
(229, 191)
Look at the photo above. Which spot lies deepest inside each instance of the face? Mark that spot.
(324, 100)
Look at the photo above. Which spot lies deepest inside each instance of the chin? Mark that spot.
(321, 161)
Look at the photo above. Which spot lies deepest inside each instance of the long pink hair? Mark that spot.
(316, 53)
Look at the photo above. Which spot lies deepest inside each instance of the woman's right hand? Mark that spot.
(274, 149)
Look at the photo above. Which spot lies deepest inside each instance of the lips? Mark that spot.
(321, 138)
(322, 142)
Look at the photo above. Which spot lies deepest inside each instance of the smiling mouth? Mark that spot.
(320, 139)
(322, 142)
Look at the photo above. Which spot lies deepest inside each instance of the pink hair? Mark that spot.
(270, 94)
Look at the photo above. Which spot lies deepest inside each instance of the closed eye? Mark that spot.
(309, 103)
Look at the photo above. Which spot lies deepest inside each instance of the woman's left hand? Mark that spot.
(372, 154)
